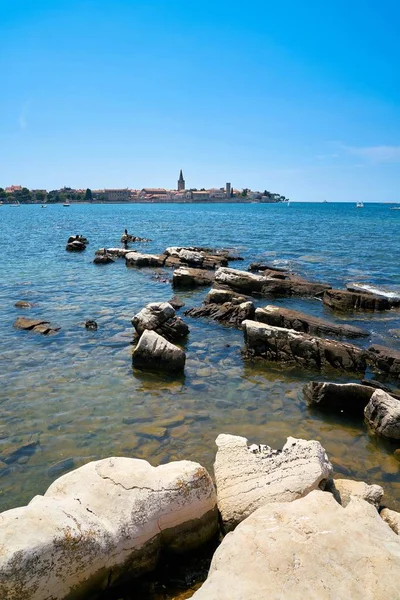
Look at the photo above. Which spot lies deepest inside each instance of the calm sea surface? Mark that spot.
(75, 394)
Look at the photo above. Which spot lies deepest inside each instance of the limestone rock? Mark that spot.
(293, 286)
(343, 489)
(75, 246)
(248, 478)
(185, 277)
(176, 302)
(23, 304)
(294, 319)
(228, 313)
(160, 317)
(392, 518)
(155, 352)
(383, 414)
(385, 360)
(100, 523)
(312, 549)
(137, 259)
(115, 252)
(344, 300)
(345, 397)
(220, 296)
(103, 259)
(291, 347)
(241, 281)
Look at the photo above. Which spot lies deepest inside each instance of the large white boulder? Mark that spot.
(249, 477)
(312, 549)
(383, 414)
(155, 352)
(101, 522)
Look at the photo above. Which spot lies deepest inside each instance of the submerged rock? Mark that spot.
(344, 301)
(248, 478)
(160, 317)
(154, 352)
(102, 523)
(383, 414)
(299, 321)
(24, 304)
(385, 360)
(311, 548)
(350, 398)
(91, 325)
(176, 302)
(291, 347)
(36, 325)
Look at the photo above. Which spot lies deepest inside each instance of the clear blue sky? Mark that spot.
(299, 97)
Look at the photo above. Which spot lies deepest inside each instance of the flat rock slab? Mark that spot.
(249, 477)
(185, 277)
(349, 398)
(220, 296)
(137, 259)
(228, 313)
(382, 413)
(312, 549)
(155, 352)
(293, 286)
(116, 252)
(299, 321)
(101, 523)
(345, 301)
(36, 325)
(290, 347)
(103, 259)
(385, 360)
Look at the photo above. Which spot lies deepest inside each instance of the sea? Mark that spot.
(74, 397)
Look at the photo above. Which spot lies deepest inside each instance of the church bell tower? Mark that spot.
(181, 182)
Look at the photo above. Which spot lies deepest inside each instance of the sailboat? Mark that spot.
(66, 203)
(360, 205)
(15, 204)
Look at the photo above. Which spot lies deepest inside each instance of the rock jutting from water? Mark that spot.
(291, 348)
(345, 301)
(155, 352)
(249, 477)
(299, 321)
(24, 304)
(76, 243)
(382, 414)
(186, 277)
(350, 398)
(344, 489)
(161, 318)
(276, 284)
(309, 548)
(228, 313)
(103, 259)
(138, 259)
(36, 325)
(102, 523)
(385, 361)
(127, 238)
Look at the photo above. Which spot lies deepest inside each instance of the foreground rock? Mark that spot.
(102, 523)
(160, 317)
(137, 259)
(290, 347)
(344, 489)
(277, 284)
(311, 548)
(344, 301)
(185, 277)
(155, 352)
(299, 321)
(385, 360)
(382, 413)
(228, 313)
(248, 478)
(350, 398)
(36, 325)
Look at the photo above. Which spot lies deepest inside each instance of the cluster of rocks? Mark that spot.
(76, 243)
(380, 407)
(36, 325)
(127, 238)
(294, 532)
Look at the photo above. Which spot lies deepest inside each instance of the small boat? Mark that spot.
(66, 203)
(395, 208)
(360, 205)
(44, 206)
(15, 204)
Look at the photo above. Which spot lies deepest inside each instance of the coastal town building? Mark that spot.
(181, 182)
(13, 188)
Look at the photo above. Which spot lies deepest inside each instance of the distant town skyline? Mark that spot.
(302, 99)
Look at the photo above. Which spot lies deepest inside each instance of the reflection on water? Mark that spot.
(73, 397)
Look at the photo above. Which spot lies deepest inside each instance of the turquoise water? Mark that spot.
(75, 394)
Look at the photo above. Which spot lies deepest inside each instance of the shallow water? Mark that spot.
(75, 393)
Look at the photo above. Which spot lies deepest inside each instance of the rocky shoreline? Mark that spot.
(109, 520)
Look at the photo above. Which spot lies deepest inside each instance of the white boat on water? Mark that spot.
(44, 206)
(66, 203)
(395, 208)
(15, 204)
(360, 205)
